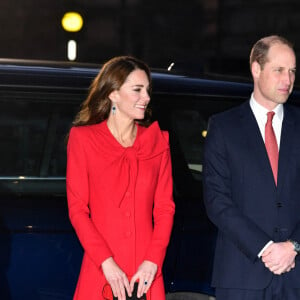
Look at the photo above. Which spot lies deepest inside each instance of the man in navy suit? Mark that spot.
(252, 183)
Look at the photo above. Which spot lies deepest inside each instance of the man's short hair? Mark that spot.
(259, 51)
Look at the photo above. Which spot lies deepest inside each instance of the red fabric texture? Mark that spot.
(120, 202)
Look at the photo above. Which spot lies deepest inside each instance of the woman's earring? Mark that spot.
(113, 109)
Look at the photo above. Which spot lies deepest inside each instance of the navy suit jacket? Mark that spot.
(241, 197)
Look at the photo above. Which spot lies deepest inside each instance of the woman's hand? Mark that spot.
(145, 275)
(116, 278)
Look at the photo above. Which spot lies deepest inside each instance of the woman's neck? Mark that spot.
(123, 131)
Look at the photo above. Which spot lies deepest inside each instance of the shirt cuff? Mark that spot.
(264, 248)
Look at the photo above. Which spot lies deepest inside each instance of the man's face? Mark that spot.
(274, 82)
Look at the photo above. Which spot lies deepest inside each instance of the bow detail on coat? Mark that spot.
(122, 163)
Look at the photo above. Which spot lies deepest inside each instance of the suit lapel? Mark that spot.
(255, 141)
(286, 144)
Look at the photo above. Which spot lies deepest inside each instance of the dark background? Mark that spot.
(198, 35)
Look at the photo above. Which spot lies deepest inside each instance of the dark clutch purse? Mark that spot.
(134, 294)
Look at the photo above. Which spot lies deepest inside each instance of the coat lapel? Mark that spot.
(255, 141)
(286, 145)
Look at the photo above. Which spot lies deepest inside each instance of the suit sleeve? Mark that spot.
(163, 212)
(78, 200)
(218, 196)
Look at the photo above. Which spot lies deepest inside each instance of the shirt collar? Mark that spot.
(261, 112)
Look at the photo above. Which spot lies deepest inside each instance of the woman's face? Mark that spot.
(132, 98)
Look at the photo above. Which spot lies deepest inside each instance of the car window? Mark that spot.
(191, 127)
(33, 131)
(186, 118)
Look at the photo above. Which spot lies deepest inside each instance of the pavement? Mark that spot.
(188, 296)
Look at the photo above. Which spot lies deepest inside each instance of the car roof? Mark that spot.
(78, 76)
(42, 74)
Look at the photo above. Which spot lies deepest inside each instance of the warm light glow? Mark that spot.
(72, 50)
(72, 21)
(204, 133)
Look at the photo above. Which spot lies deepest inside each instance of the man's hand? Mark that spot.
(279, 257)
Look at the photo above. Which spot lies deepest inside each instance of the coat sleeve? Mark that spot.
(78, 200)
(219, 200)
(163, 212)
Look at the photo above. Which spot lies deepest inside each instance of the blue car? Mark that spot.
(40, 255)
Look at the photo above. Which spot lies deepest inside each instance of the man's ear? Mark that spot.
(255, 69)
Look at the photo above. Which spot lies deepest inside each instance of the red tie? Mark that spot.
(271, 145)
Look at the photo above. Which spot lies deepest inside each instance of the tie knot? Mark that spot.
(270, 115)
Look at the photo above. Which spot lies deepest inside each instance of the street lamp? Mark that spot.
(72, 22)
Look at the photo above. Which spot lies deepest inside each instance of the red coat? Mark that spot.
(120, 203)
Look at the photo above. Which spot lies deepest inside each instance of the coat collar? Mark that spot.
(122, 164)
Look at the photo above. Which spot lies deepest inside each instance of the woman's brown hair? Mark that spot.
(97, 106)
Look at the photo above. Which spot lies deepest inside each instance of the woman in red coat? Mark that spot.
(119, 186)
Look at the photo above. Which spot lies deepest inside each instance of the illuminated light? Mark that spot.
(21, 177)
(204, 133)
(72, 50)
(171, 66)
(72, 21)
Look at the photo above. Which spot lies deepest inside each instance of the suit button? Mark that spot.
(279, 204)
(276, 229)
(127, 214)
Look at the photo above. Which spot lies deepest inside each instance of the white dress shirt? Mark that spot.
(260, 114)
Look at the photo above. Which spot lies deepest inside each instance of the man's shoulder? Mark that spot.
(292, 108)
(232, 114)
(292, 113)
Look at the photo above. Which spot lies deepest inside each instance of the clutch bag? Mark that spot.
(134, 294)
